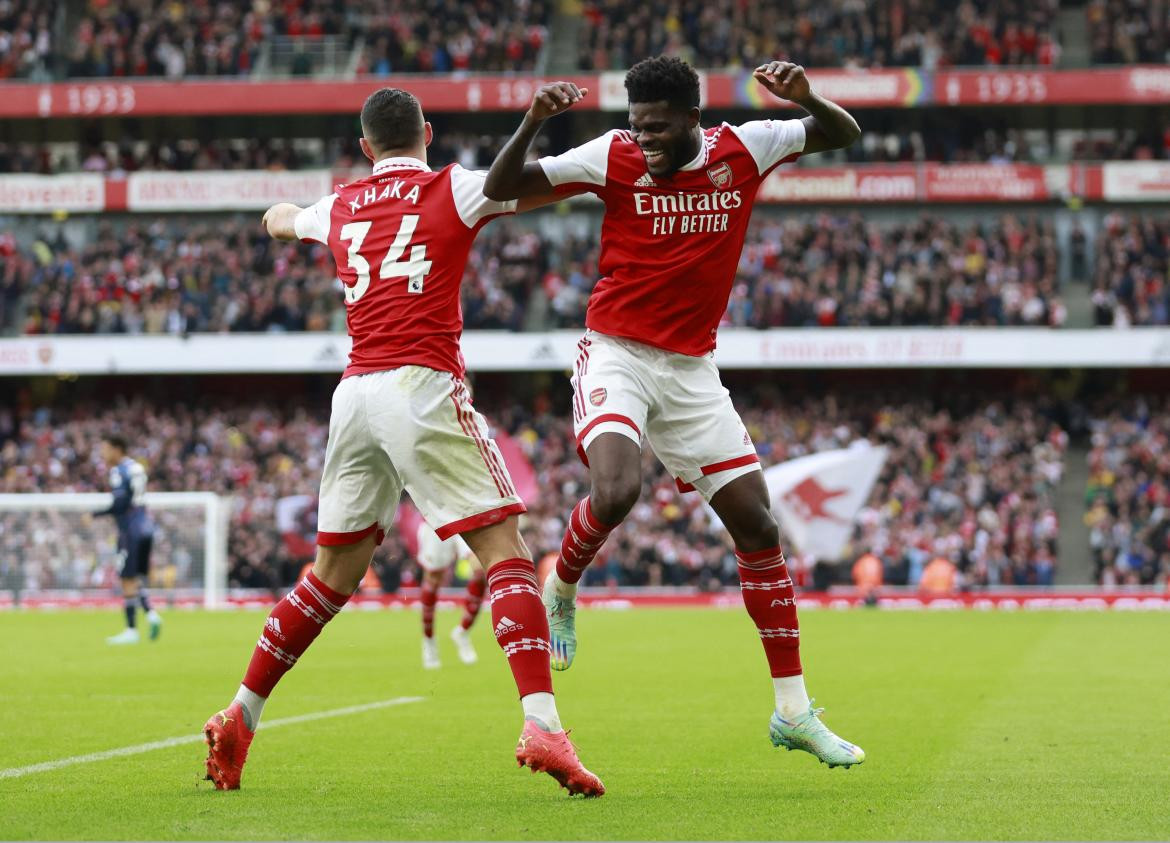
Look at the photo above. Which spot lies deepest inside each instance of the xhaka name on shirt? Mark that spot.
(392, 190)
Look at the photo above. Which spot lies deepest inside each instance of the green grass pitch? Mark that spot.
(977, 725)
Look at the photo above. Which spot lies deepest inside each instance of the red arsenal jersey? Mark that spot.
(670, 247)
(400, 239)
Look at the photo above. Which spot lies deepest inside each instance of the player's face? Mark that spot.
(668, 136)
(109, 454)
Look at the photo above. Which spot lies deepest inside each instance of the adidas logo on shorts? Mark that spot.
(507, 625)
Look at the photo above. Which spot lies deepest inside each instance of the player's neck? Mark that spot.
(419, 155)
(696, 144)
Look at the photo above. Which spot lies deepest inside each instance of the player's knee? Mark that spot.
(759, 532)
(612, 498)
(342, 567)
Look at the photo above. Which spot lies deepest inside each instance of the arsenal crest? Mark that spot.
(720, 176)
(597, 397)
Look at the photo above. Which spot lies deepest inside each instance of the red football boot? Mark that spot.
(551, 752)
(227, 739)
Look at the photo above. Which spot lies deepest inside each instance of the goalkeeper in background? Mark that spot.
(135, 536)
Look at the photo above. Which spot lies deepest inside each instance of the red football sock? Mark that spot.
(771, 603)
(520, 624)
(583, 538)
(475, 589)
(291, 627)
(429, 595)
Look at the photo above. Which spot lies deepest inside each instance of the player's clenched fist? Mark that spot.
(784, 79)
(554, 98)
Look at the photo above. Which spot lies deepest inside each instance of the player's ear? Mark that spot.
(428, 133)
(366, 151)
(693, 117)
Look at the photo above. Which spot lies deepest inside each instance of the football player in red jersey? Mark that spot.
(402, 419)
(678, 198)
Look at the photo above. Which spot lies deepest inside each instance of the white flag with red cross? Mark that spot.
(818, 497)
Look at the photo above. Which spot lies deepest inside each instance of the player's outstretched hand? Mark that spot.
(554, 98)
(784, 79)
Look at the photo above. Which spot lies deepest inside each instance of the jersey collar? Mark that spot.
(399, 164)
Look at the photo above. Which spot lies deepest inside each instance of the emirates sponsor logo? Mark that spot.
(507, 625)
(686, 203)
(720, 175)
(597, 397)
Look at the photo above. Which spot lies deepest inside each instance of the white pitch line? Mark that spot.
(46, 766)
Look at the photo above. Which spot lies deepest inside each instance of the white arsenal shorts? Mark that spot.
(436, 554)
(409, 428)
(676, 402)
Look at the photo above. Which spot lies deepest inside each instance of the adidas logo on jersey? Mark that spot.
(273, 625)
(645, 181)
(507, 625)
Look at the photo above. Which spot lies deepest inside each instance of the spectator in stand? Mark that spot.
(26, 38)
(1128, 495)
(1131, 285)
(727, 34)
(1128, 31)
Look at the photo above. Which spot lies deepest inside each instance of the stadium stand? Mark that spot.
(844, 270)
(1128, 31)
(916, 33)
(952, 142)
(182, 275)
(973, 482)
(1128, 492)
(1130, 284)
(27, 40)
(157, 38)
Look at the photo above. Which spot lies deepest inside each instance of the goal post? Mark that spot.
(50, 544)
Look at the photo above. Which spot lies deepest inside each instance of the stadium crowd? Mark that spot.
(26, 38)
(178, 275)
(832, 269)
(1128, 31)
(952, 142)
(340, 154)
(177, 39)
(830, 33)
(1131, 282)
(973, 484)
(1127, 500)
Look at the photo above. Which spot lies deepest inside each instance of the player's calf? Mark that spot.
(521, 630)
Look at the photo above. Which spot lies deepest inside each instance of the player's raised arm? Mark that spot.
(829, 126)
(279, 221)
(510, 177)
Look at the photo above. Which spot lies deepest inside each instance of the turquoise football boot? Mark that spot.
(808, 733)
(562, 626)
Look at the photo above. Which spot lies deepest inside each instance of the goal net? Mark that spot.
(52, 547)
